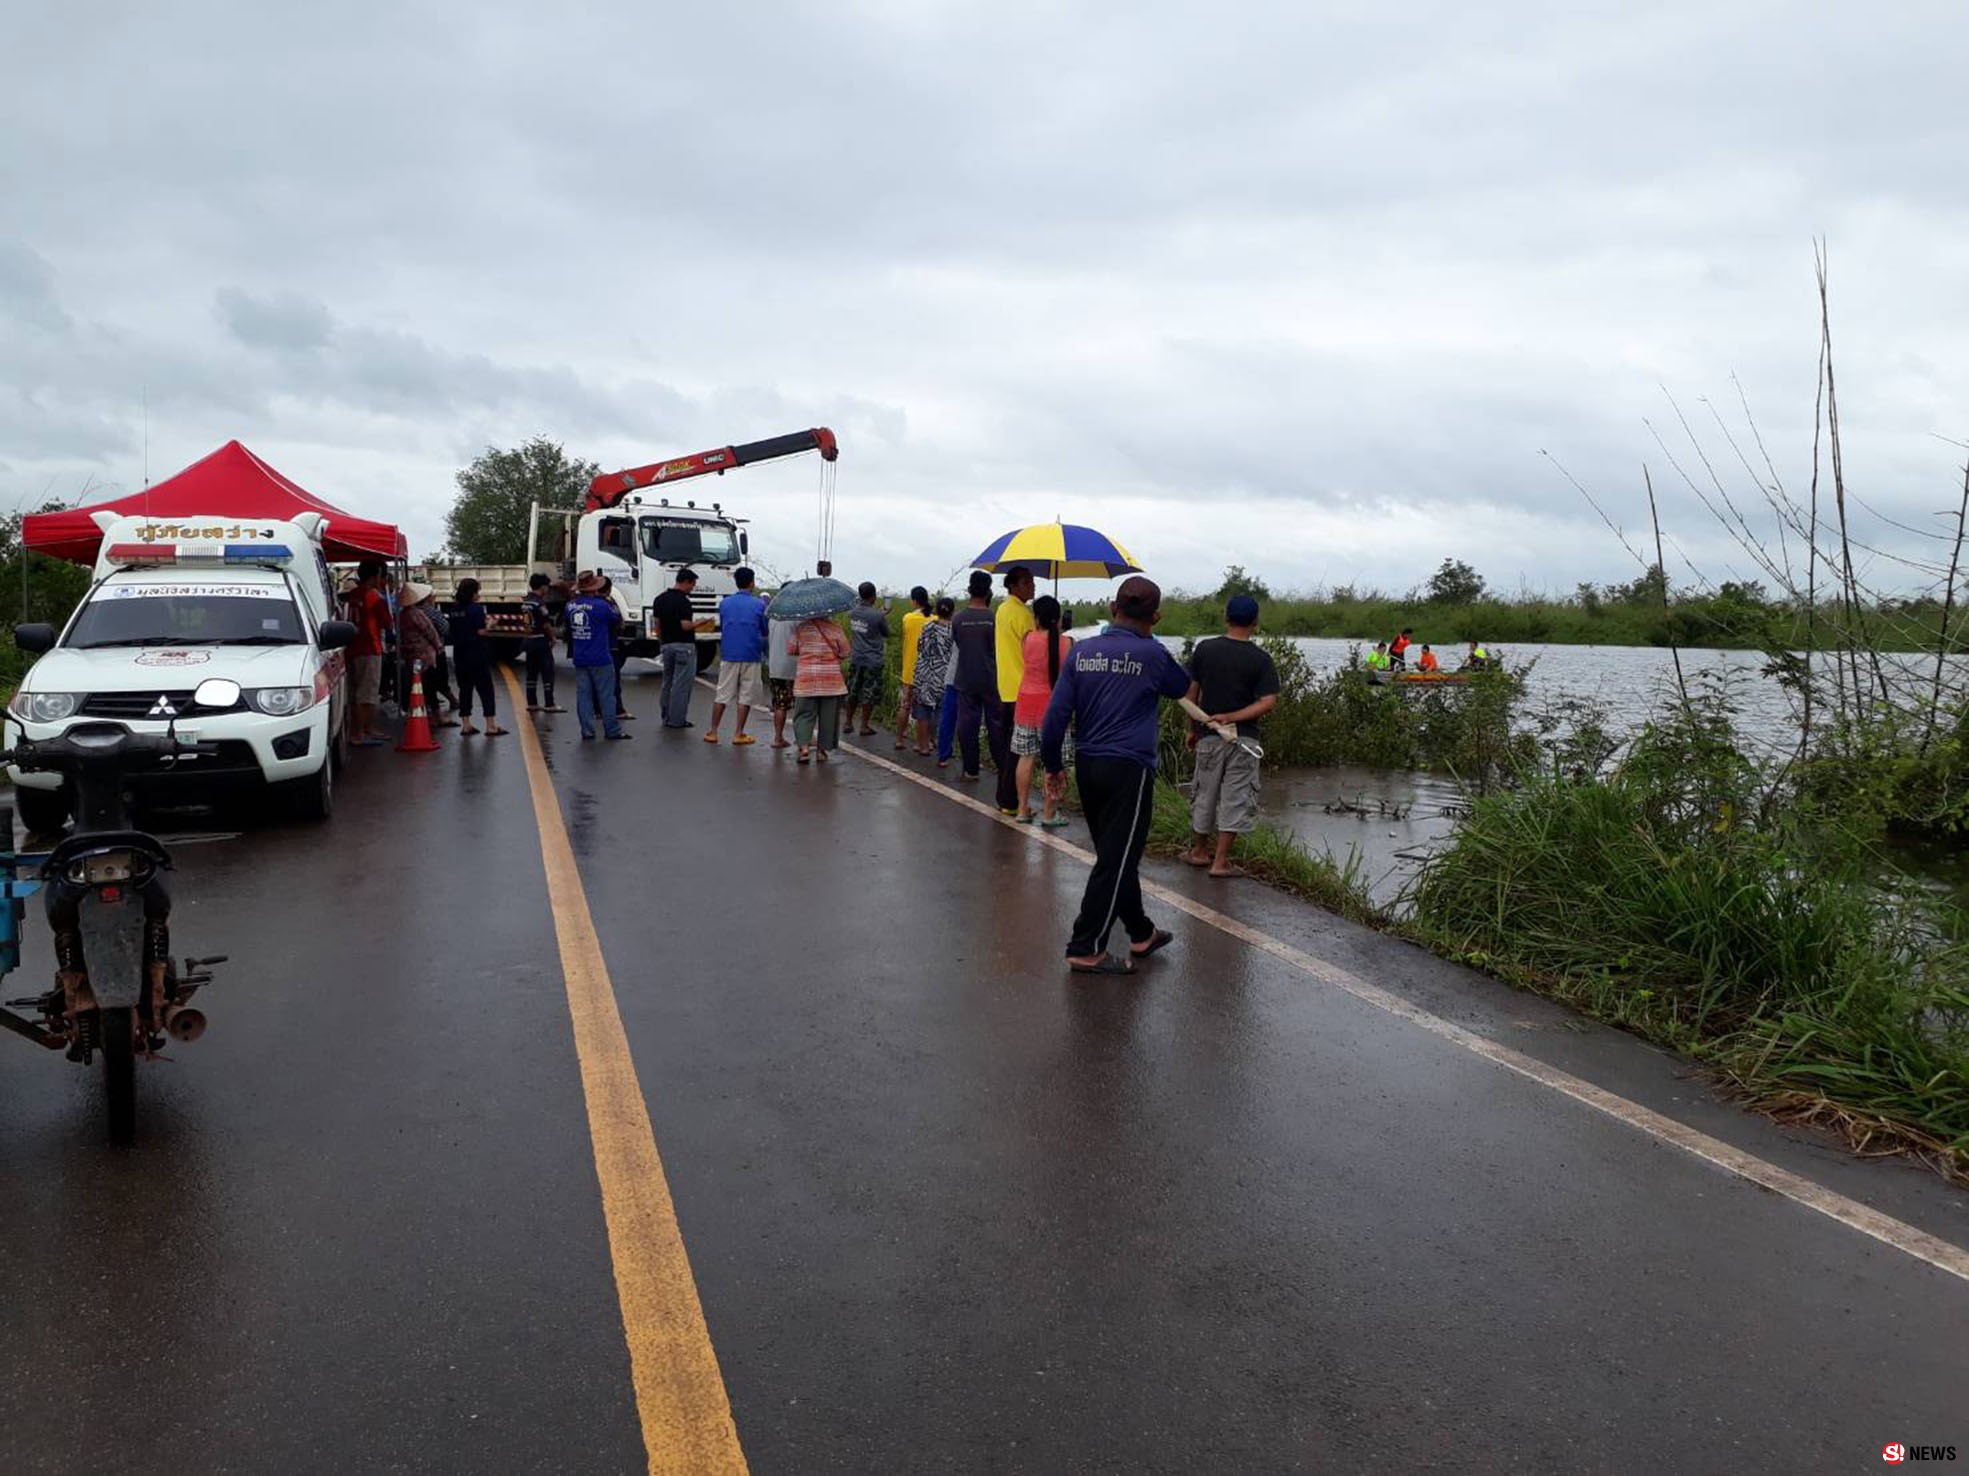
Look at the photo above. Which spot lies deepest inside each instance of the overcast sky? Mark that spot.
(1307, 288)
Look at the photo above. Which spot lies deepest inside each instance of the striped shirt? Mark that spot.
(821, 646)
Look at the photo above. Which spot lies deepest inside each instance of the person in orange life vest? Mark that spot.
(1428, 661)
(1398, 649)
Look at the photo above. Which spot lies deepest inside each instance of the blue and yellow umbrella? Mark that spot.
(1058, 551)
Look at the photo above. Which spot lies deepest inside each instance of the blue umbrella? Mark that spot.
(803, 599)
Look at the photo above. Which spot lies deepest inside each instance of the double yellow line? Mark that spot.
(680, 1394)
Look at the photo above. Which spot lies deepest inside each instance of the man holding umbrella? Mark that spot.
(1109, 689)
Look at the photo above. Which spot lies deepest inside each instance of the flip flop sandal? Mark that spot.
(1231, 875)
(1025, 819)
(805, 757)
(551, 708)
(821, 754)
(1058, 822)
(744, 740)
(495, 732)
(1189, 860)
(780, 743)
(711, 737)
(1162, 939)
(1109, 964)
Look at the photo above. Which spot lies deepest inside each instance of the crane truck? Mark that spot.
(630, 529)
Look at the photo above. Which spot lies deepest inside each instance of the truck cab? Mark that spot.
(641, 543)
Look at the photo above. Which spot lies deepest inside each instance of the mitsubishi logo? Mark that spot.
(162, 707)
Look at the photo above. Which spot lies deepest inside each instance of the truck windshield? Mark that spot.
(187, 614)
(690, 543)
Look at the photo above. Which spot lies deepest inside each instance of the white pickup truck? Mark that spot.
(176, 601)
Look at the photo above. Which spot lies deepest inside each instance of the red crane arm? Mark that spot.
(610, 488)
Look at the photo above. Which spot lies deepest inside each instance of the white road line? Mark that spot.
(1886, 1229)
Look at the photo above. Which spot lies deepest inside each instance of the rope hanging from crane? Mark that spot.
(824, 537)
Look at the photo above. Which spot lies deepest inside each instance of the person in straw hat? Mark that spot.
(421, 643)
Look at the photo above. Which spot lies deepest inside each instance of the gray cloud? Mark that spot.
(1319, 284)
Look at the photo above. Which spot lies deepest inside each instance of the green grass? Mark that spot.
(1762, 944)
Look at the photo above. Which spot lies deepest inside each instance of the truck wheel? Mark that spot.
(119, 1073)
(707, 656)
(42, 811)
(312, 798)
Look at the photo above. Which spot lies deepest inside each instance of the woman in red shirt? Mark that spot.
(1044, 649)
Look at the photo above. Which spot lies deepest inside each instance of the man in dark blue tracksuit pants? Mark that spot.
(1109, 689)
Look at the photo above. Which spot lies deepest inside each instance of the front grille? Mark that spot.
(129, 705)
(704, 604)
(234, 758)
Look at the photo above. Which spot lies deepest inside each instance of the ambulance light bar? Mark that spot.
(184, 553)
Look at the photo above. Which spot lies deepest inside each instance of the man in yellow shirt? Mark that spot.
(912, 630)
(1012, 623)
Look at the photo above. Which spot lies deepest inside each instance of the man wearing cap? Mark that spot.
(675, 621)
(1109, 690)
(1233, 679)
(591, 622)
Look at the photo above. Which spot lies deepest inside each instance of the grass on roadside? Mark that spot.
(1763, 949)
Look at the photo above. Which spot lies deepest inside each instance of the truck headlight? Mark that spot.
(45, 707)
(281, 701)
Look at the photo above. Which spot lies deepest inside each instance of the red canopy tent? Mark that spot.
(230, 483)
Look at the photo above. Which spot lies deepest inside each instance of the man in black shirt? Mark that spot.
(1234, 680)
(539, 644)
(975, 634)
(675, 620)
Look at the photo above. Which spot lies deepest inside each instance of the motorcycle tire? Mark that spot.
(119, 1073)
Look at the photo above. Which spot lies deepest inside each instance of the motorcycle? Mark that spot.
(118, 993)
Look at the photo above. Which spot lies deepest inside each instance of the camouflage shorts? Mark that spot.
(782, 693)
(864, 687)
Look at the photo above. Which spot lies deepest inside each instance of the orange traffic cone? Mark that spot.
(417, 736)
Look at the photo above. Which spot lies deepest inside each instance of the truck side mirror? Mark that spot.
(744, 543)
(35, 638)
(334, 635)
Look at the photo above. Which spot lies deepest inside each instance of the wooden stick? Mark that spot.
(1226, 731)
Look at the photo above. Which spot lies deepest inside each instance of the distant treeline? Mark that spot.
(1456, 607)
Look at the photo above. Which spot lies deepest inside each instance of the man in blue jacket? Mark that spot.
(1109, 689)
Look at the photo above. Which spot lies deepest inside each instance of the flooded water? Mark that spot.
(1386, 820)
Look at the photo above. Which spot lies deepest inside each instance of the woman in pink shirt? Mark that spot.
(818, 685)
(1045, 649)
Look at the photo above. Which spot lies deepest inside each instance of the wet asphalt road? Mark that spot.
(947, 1209)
